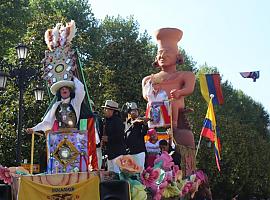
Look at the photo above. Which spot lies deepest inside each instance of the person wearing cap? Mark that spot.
(176, 84)
(113, 137)
(135, 131)
(65, 112)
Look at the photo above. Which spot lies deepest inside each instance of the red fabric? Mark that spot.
(55, 126)
(216, 79)
(208, 133)
(165, 114)
(147, 112)
(92, 143)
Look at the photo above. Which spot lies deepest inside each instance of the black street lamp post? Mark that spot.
(22, 76)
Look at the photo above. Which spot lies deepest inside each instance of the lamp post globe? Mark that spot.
(3, 75)
(39, 92)
(22, 51)
(3, 80)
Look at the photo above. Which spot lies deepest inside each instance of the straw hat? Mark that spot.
(110, 104)
(64, 83)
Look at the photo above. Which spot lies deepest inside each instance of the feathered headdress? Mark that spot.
(60, 35)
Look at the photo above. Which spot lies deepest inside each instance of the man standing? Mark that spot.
(135, 132)
(113, 137)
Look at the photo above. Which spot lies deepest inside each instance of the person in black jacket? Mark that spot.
(113, 137)
(136, 129)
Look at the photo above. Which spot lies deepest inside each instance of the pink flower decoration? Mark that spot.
(176, 173)
(149, 177)
(169, 176)
(161, 189)
(200, 176)
(5, 175)
(187, 187)
(166, 159)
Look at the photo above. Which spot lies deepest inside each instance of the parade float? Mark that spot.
(72, 171)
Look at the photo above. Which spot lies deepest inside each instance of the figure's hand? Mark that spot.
(175, 94)
(29, 130)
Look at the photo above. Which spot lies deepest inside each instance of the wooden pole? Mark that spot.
(32, 153)
(32, 150)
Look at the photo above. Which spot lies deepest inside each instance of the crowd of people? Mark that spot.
(127, 136)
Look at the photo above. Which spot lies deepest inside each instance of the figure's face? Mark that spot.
(134, 114)
(108, 112)
(155, 86)
(166, 57)
(164, 148)
(153, 137)
(65, 92)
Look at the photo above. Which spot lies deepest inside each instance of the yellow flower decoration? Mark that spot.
(138, 192)
(171, 191)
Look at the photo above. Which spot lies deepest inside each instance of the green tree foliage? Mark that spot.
(13, 24)
(120, 38)
(115, 57)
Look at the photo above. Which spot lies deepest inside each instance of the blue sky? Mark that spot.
(232, 35)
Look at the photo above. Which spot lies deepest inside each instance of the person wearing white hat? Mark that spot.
(65, 112)
(113, 136)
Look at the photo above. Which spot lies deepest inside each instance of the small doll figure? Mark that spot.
(158, 104)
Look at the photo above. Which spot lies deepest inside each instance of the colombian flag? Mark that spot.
(210, 131)
(210, 84)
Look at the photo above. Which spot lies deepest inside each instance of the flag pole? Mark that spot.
(199, 143)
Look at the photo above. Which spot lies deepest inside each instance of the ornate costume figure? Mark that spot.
(68, 114)
(176, 84)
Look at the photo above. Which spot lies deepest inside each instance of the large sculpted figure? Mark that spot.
(169, 85)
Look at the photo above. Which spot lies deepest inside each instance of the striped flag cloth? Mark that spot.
(210, 131)
(210, 84)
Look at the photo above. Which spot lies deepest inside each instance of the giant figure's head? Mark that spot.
(168, 53)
